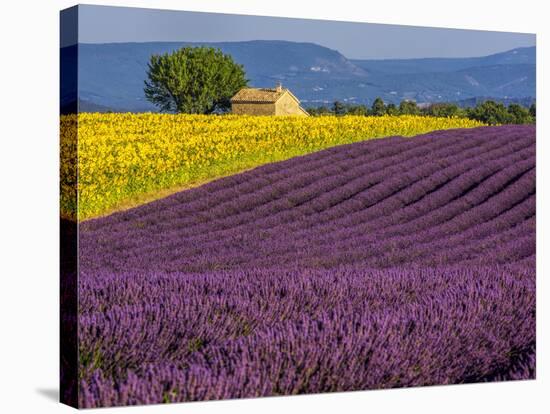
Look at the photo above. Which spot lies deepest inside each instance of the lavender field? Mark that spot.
(388, 263)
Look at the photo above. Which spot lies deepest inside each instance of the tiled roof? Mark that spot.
(258, 95)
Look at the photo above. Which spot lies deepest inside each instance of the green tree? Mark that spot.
(378, 108)
(317, 111)
(338, 108)
(408, 108)
(491, 113)
(519, 114)
(360, 110)
(391, 109)
(195, 80)
(442, 110)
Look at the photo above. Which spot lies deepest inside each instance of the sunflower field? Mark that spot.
(111, 162)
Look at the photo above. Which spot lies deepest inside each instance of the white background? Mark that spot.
(29, 205)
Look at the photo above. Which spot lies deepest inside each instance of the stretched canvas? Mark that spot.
(256, 206)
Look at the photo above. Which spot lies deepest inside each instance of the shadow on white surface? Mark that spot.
(51, 394)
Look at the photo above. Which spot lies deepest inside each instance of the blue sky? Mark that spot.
(103, 24)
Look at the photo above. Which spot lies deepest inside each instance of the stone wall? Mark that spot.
(253, 108)
(287, 106)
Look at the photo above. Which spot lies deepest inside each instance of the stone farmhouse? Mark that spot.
(264, 101)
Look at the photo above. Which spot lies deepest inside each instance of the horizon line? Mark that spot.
(298, 42)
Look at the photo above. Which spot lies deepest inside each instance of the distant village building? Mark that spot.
(263, 101)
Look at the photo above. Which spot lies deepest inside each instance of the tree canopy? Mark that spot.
(378, 108)
(490, 112)
(409, 108)
(195, 80)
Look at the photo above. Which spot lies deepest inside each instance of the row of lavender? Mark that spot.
(395, 262)
(452, 185)
(182, 337)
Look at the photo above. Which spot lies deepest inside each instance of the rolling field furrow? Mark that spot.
(379, 211)
(513, 251)
(232, 186)
(278, 218)
(450, 249)
(452, 206)
(436, 199)
(375, 248)
(442, 182)
(383, 254)
(488, 205)
(197, 194)
(182, 252)
(405, 245)
(418, 221)
(336, 238)
(212, 187)
(281, 207)
(477, 249)
(527, 262)
(392, 155)
(399, 203)
(432, 233)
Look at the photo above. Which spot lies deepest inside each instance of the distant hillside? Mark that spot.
(112, 75)
(86, 106)
(522, 55)
(499, 81)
